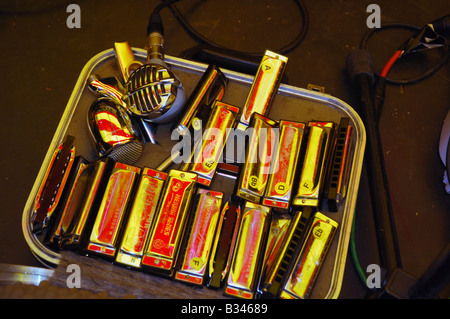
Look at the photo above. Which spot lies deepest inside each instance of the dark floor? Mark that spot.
(42, 59)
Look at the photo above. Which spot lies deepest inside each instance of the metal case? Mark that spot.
(293, 103)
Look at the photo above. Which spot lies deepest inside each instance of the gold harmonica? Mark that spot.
(340, 166)
(209, 89)
(248, 255)
(140, 220)
(165, 237)
(224, 242)
(72, 228)
(278, 231)
(307, 265)
(314, 164)
(256, 170)
(107, 226)
(216, 133)
(276, 270)
(200, 238)
(284, 165)
(264, 88)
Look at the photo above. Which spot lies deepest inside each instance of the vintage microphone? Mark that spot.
(153, 92)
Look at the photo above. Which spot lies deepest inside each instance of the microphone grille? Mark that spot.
(150, 89)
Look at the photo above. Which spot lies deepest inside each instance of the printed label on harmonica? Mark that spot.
(256, 169)
(284, 165)
(105, 233)
(141, 217)
(314, 164)
(165, 237)
(264, 88)
(307, 266)
(200, 238)
(214, 139)
(248, 254)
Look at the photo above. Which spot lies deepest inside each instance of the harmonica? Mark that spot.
(140, 220)
(224, 242)
(279, 229)
(72, 230)
(125, 59)
(315, 163)
(245, 270)
(264, 87)
(216, 133)
(163, 246)
(256, 169)
(53, 183)
(340, 166)
(276, 271)
(209, 89)
(200, 237)
(284, 165)
(301, 279)
(108, 223)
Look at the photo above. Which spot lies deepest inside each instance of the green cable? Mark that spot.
(354, 255)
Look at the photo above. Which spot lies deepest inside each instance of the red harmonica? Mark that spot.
(105, 233)
(52, 186)
(165, 238)
(200, 237)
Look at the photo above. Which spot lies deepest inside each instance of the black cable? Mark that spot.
(202, 39)
(414, 79)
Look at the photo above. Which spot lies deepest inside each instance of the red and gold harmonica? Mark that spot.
(256, 169)
(53, 183)
(315, 163)
(264, 88)
(278, 231)
(106, 230)
(209, 89)
(200, 237)
(246, 265)
(276, 271)
(284, 166)
(141, 216)
(163, 246)
(300, 280)
(216, 133)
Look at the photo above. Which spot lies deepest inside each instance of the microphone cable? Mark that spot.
(170, 4)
